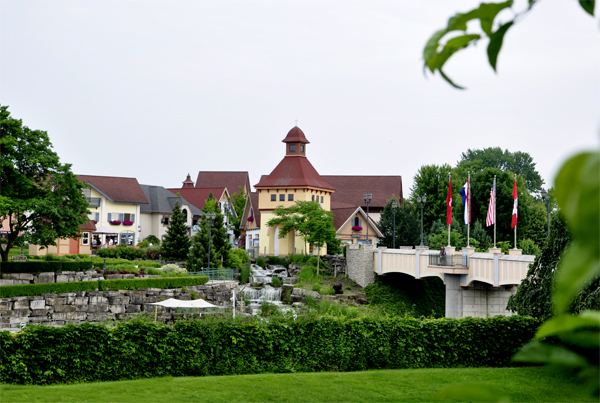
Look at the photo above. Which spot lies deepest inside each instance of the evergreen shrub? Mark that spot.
(32, 266)
(261, 262)
(139, 349)
(165, 282)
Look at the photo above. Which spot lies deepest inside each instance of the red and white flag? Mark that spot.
(515, 206)
(491, 217)
(449, 204)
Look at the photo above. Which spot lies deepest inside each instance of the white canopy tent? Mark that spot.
(176, 303)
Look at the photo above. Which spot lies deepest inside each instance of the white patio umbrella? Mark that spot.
(177, 303)
(104, 230)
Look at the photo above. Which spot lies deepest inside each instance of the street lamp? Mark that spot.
(547, 200)
(210, 217)
(421, 202)
(394, 207)
(368, 197)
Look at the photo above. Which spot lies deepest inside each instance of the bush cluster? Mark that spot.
(45, 266)
(139, 349)
(123, 252)
(9, 291)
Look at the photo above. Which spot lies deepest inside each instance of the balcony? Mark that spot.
(93, 201)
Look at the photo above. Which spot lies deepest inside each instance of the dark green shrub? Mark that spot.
(165, 282)
(82, 265)
(122, 252)
(108, 253)
(38, 266)
(9, 291)
(316, 287)
(327, 290)
(276, 260)
(261, 262)
(138, 349)
(245, 273)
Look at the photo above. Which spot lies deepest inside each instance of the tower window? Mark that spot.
(273, 197)
(301, 149)
(292, 148)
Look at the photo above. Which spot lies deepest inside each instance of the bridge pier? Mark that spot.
(454, 297)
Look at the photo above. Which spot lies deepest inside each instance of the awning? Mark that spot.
(176, 303)
(104, 230)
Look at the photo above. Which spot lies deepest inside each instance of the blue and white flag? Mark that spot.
(465, 192)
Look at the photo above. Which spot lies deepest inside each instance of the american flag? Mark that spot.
(491, 217)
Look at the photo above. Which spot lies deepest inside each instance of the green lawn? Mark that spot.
(532, 384)
(16, 251)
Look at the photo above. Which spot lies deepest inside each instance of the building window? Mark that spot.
(290, 197)
(301, 149)
(313, 197)
(87, 192)
(281, 197)
(126, 239)
(273, 197)
(184, 211)
(292, 148)
(321, 199)
(85, 238)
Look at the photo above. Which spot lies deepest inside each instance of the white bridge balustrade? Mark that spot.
(477, 284)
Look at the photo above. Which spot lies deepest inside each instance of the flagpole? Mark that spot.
(449, 182)
(495, 191)
(469, 207)
(517, 222)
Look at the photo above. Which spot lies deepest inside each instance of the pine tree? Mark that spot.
(408, 225)
(176, 244)
(198, 256)
(220, 239)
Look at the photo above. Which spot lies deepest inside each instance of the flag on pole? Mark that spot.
(515, 206)
(465, 192)
(449, 204)
(491, 218)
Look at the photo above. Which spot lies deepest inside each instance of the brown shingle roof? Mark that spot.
(350, 189)
(228, 179)
(197, 197)
(294, 171)
(254, 200)
(88, 226)
(117, 189)
(295, 136)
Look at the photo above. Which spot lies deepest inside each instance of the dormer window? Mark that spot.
(292, 148)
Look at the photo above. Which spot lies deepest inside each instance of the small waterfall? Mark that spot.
(260, 275)
(268, 293)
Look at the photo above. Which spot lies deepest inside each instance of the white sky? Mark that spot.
(157, 89)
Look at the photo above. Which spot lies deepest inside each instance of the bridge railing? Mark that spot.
(214, 274)
(449, 261)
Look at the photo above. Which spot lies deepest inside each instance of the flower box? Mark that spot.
(95, 222)
(356, 228)
(250, 219)
(128, 223)
(115, 222)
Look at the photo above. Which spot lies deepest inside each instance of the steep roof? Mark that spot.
(350, 190)
(295, 136)
(294, 172)
(88, 226)
(254, 199)
(341, 217)
(197, 197)
(228, 179)
(163, 201)
(117, 189)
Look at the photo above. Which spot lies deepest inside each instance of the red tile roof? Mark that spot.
(295, 136)
(118, 190)
(88, 226)
(294, 171)
(254, 200)
(350, 189)
(340, 216)
(197, 197)
(229, 179)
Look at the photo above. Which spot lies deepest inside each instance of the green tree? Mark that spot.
(238, 203)
(479, 234)
(438, 236)
(537, 229)
(518, 162)
(176, 243)
(220, 240)
(292, 219)
(197, 258)
(432, 180)
(408, 224)
(42, 199)
(319, 230)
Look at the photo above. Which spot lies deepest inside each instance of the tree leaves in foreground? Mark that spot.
(436, 53)
(42, 199)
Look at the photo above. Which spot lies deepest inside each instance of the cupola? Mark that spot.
(188, 182)
(295, 143)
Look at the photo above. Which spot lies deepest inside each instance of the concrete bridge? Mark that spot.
(477, 284)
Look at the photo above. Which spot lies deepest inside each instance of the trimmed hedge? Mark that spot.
(123, 252)
(141, 349)
(36, 266)
(9, 291)
(165, 282)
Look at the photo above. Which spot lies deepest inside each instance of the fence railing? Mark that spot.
(214, 274)
(450, 261)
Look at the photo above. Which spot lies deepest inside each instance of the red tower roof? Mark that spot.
(294, 172)
(295, 136)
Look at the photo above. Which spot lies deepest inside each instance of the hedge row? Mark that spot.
(36, 266)
(121, 252)
(142, 349)
(9, 291)
(165, 282)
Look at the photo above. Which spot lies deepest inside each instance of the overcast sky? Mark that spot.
(158, 89)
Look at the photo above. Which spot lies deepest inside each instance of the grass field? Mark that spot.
(532, 384)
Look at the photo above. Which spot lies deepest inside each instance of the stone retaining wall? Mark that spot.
(62, 277)
(99, 306)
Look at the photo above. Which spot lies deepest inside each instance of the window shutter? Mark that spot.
(97, 217)
(121, 217)
(133, 218)
(109, 217)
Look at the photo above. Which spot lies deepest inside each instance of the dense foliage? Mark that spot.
(122, 252)
(399, 295)
(136, 349)
(408, 224)
(41, 198)
(176, 242)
